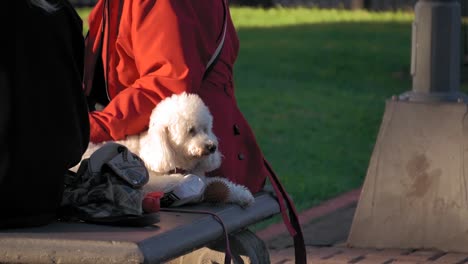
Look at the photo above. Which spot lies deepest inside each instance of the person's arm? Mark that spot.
(171, 43)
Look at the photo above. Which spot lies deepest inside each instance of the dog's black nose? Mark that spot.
(211, 147)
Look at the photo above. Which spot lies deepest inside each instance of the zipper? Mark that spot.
(105, 26)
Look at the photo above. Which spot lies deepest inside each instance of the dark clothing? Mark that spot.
(41, 137)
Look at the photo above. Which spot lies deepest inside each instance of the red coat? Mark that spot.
(154, 48)
(161, 47)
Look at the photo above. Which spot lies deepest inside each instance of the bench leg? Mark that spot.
(246, 247)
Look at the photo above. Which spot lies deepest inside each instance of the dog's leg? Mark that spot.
(216, 192)
(236, 193)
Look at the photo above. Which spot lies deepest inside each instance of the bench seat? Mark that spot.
(173, 236)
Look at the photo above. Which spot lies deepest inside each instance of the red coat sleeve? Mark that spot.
(162, 48)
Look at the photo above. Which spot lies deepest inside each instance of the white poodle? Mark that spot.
(180, 141)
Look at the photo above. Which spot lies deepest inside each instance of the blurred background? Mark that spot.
(347, 4)
(313, 77)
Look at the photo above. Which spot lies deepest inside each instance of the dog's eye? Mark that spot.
(192, 131)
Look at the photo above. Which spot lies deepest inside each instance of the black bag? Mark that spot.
(40, 136)
(107, 189)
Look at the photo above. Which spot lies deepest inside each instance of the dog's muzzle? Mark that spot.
(210, 148)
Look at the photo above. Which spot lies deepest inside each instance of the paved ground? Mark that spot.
(326, 229)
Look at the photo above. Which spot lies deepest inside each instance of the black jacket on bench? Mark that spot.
(44, 126)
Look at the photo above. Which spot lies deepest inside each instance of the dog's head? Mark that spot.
(180, 136)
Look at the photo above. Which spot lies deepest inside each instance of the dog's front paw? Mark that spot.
(222, 190)
(247, 199)
(242, 196)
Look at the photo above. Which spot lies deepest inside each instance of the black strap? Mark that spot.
(5, 121)
(293, 221)
(125, 220)
(227, 253)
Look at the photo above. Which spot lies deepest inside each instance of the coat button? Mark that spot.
(240, 156)
(236, 130)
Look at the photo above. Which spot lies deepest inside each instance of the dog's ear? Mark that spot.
(156, 150)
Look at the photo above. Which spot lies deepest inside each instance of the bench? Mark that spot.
(177, 238)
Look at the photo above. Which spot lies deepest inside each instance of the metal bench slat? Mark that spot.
(175, 235)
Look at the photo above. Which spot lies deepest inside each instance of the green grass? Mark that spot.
(313, 85)
(84, 12)
(280, 17)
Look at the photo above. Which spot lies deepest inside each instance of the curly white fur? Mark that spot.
(179, 138)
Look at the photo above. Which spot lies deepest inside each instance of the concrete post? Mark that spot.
(415, 194)
(435, 52)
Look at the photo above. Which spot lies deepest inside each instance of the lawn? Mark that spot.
(313, 85)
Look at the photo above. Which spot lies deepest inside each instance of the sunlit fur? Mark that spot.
(180, 137)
